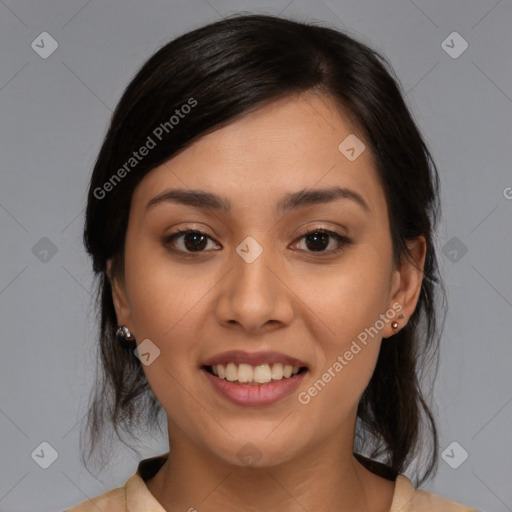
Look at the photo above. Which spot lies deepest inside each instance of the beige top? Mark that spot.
(134, 496)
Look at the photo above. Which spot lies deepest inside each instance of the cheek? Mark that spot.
(347, 323)
(349, 298)
(162, 305)
(346, 351)
(167, 305)
(162, 295)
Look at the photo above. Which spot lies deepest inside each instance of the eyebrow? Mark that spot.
(292, 201)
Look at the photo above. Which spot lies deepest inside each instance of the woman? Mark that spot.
(261, 220)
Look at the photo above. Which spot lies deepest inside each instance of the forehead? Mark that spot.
(287, 145)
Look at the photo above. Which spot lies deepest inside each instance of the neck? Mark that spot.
(326, 478)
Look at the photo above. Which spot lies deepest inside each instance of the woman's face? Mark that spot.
(254, 293)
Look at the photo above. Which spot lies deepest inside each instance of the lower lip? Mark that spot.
(261, 394)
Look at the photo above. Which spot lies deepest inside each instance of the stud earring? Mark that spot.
(394, 325)
(124, 334)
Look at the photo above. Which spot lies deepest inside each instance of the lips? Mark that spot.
(253, 379)
(253, 359)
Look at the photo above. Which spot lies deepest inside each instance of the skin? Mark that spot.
(304, 303)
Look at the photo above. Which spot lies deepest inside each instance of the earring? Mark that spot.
(394, 325)
(124, 334)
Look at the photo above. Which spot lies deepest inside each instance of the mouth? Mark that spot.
(253, 379)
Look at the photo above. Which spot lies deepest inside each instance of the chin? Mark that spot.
(256, 451)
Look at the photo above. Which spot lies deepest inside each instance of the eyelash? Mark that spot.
(342, 240)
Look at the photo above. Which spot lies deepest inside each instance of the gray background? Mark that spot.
(53, 116)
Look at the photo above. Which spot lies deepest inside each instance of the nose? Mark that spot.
(254, 296)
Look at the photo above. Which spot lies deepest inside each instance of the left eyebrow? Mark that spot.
(291, 201)
(308, 197)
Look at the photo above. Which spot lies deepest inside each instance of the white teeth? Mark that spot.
(247, 374)
(277, 371)
(231, 372)
(262, 374)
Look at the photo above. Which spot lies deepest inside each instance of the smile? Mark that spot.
(257, 378)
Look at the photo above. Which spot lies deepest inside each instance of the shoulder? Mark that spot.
(409, 499)
(134, 496)
(113, 501)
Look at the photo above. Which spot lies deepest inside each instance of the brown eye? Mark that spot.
(318, 240)
(188, 240)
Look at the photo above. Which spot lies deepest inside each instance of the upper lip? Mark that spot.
(254, 358)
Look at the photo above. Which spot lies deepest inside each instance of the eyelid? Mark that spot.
(318, 228)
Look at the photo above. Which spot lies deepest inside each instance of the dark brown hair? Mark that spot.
(230, 68)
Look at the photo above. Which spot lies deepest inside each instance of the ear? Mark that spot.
(119, 298)
(406, 284)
